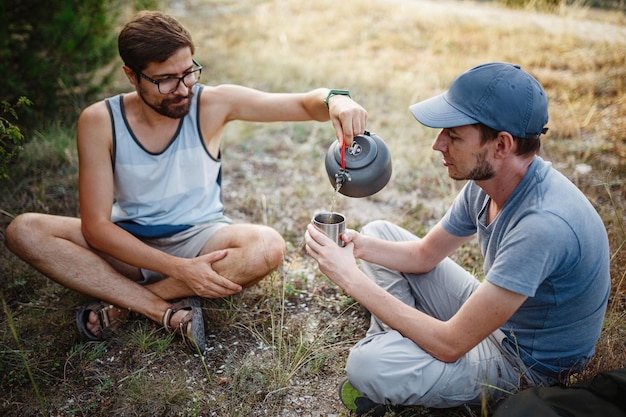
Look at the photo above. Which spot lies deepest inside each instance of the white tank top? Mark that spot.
(180, 185)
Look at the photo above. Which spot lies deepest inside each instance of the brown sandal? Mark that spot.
(191, 327)
(107, 325)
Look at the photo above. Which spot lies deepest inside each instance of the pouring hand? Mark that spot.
(348, 118)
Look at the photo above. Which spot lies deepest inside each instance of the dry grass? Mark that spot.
(279, 349)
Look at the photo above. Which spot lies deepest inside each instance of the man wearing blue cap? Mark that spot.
(439, 337)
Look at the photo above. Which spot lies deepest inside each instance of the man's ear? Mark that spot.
(130, 74)
(505, 144)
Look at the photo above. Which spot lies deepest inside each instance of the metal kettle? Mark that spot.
(360, 170)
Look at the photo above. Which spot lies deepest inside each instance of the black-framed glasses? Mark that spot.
(170, 84)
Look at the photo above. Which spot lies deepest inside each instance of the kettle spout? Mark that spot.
(342, 176)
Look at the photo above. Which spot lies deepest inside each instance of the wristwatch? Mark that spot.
(336, 93)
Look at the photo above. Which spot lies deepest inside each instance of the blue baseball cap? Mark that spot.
(499, 95)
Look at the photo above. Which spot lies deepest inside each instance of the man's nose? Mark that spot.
(440, 143)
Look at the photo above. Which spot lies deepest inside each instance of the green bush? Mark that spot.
(10, 134)
(52, 53)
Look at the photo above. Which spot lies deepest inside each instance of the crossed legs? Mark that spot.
(55, 246)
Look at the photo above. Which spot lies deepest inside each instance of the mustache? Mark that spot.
(178, 99)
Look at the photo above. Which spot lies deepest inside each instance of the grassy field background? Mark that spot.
(279, 349)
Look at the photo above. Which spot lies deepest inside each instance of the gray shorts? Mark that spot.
(186, 244)
(389, 368)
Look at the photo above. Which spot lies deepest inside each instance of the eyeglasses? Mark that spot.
(170, 84)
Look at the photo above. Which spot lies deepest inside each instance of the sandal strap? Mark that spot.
(183, 328)
(101, 309)
(103, 316)
(166, 320)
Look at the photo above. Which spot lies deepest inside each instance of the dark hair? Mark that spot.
(151, 36)
(524, 146)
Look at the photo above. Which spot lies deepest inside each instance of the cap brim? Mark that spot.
(437, 112)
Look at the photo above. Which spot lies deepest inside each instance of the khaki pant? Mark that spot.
(391, 369)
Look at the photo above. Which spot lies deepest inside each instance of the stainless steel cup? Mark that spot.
(331, 224)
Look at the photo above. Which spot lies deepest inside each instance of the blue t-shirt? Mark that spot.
(550, 244)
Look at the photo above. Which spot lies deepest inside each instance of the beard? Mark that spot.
(482, 170)
(165, 107)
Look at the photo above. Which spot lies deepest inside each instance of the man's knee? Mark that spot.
(366, 362)
(387, 230)
(273, 246)
(19, 231)
(389, 368)
(371, 371)
(375, 228)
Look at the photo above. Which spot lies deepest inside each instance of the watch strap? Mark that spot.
(336, 93)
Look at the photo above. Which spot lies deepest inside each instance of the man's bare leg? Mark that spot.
(253, 252)
(55, 246)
